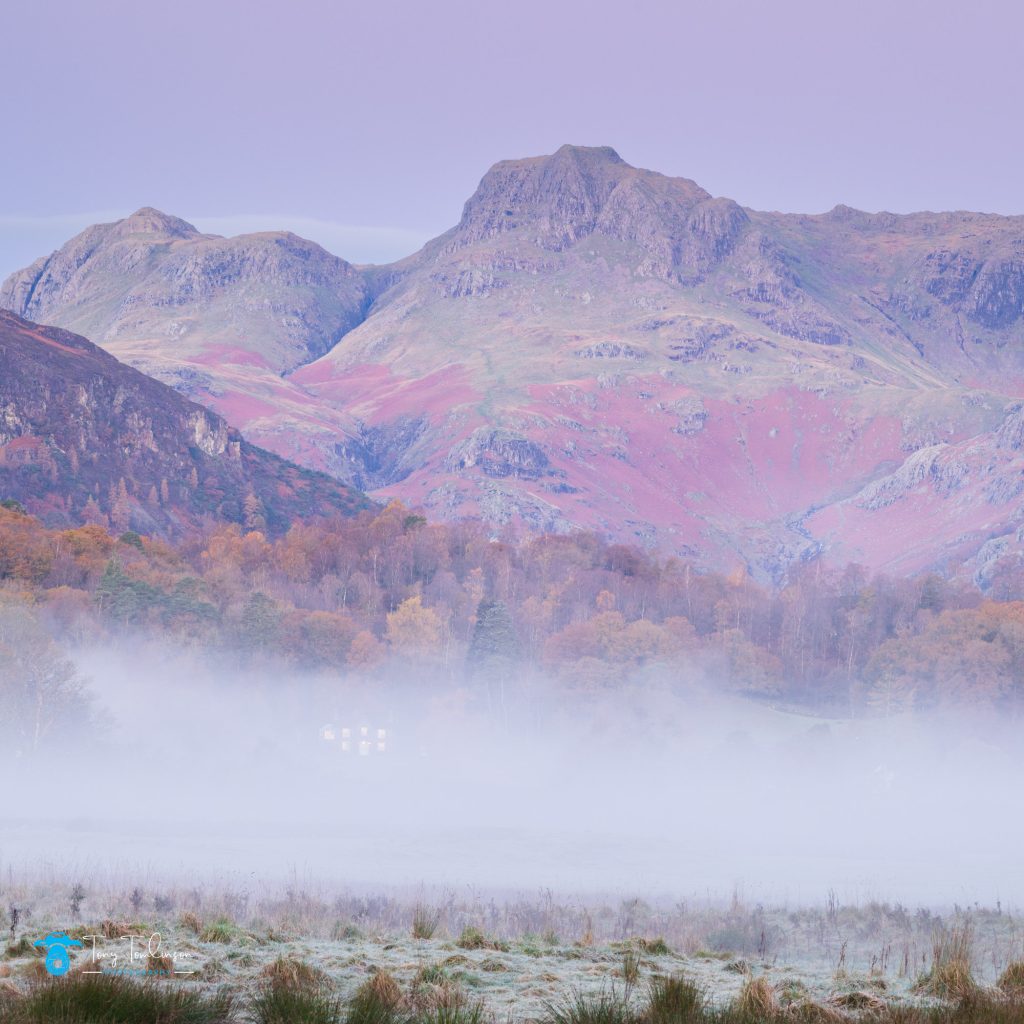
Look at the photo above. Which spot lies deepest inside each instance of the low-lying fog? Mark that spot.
(660, 790)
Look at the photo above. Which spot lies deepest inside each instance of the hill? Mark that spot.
(84, 438)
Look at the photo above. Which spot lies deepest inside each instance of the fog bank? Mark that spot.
(665, 790)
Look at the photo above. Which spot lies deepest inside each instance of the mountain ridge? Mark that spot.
(595, 345)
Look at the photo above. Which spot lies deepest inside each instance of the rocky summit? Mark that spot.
(598, 346)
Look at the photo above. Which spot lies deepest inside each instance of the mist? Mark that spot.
(207, 769)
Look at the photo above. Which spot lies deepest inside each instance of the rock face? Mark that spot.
(559, 201)
(499, 453)
(84, 438)
(594, 345)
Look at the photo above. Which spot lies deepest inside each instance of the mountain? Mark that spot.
(602, 346)
(220, 319)
(84, 438)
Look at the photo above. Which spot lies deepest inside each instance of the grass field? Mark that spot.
(219, 955)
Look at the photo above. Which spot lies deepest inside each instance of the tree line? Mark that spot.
(357, 594)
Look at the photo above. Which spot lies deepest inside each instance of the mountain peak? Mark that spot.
(603, 154)
(576, 192)
(150, 221)
(558, 197)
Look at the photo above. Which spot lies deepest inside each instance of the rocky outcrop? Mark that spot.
(997, 296)
(499, 453)
(462, 283)
(931, 464)
(1011, 431)
(612, 350)
(983, 284)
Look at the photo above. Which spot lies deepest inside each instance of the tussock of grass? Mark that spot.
(808, 1012)
(951, 980)
(981, 1008)
(472, 938)
(425, 921)
(631, 967)
(757, 1000)
(454, 1008)
(377, 1001)
(604, 1007)
(290, 972)
(858, 1001)
(431, 974)
(950, 976)
(23, 947)
(284, 1005)
(221, 930)
(160, 966)
(190, 922)
(674, 1000)
(99, 999)
(654, 947)
(382, 986)
(1011, 981)
(120, 929)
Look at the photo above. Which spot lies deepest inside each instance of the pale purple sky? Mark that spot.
(366, 126)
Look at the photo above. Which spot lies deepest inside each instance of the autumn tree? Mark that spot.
(958, 657)
(413, 630)
(366, 652)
